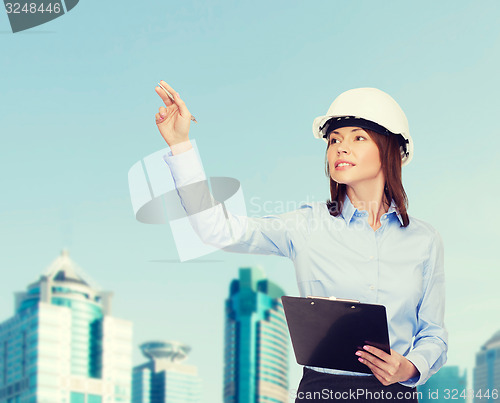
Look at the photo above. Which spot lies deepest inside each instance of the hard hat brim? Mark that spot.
(320, 128)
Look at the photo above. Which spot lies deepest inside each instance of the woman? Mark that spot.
(360, 245)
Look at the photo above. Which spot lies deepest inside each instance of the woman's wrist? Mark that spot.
(412, 370)
(180, 147)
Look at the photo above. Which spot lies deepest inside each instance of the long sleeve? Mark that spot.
(218, 227)
(430, 345)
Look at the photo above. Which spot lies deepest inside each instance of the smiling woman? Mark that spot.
(376, 158)
(360, 245)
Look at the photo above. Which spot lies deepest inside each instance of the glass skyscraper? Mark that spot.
(487, 370)
(165, 379)
(62, 345)
(256, 341)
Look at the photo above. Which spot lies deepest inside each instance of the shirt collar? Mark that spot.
(348, 211)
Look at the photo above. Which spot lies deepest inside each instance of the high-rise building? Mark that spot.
(446, 385)
(165, 379)
(62, 345)
(487, 370)
(256, 341)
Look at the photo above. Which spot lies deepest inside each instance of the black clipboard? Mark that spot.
(327, 332)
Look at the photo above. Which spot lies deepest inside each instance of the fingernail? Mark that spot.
(365, 347)
(358, 353)
(360, 359)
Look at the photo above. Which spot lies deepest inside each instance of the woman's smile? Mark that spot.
(349, 148)
(341, 165)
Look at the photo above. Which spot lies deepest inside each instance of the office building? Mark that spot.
(165, 378)
(62, 345)
(487, 369)
(256, 341)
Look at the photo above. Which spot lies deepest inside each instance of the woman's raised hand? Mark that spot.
(173, 119)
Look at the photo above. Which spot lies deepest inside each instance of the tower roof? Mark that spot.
(253, 279)
(493, 341)
(63, 269)
(165, 350)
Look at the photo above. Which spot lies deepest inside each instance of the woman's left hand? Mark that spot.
(388, 369)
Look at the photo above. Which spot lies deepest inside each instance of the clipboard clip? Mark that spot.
(332, 298)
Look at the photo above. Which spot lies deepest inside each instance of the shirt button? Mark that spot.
(372, 287)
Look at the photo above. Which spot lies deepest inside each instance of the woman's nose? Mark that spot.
(343, 148)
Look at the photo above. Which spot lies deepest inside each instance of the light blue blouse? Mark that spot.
(398, 267)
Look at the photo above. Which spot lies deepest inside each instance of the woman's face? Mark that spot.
(353, 157)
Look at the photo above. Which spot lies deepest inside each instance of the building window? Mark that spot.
(77, 397)
(94, 399)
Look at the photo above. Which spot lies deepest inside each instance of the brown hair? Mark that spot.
(390, 157)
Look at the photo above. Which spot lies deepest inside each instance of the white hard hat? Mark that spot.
(368, 108)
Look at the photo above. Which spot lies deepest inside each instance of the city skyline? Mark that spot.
(62, 344)
(251, 281)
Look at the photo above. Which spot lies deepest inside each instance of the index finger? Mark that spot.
(164, 95)
(376, 352)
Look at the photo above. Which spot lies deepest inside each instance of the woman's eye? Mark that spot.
(332, 141)
(361, 137)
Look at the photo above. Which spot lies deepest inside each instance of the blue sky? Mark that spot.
(77, 111)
